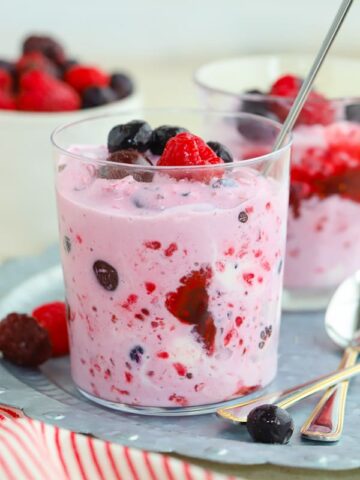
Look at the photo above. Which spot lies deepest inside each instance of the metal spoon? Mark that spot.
(342, 323)
(310, 77)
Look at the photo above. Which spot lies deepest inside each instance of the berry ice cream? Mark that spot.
(173, 280)
(323, 227)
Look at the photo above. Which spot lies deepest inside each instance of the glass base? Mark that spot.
(305, 300)
(164, 411)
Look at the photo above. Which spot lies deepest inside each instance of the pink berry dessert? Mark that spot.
(172, 256)
(323, 230)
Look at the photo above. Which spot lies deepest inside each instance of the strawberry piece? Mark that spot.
(36, 61)
(7, 101)
(317, 109)
(81, 77)
(39, 92)
(186, 150)
(5, 80)
(52, 317)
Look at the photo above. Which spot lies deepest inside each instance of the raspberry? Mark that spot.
(36, 61)
(186, 149)
(317, 109)
(52, 317)
(81, 77)
(39, 92)
(23, 341)
(49, 47)
(5, 80)
(189, 304)
(7, 101)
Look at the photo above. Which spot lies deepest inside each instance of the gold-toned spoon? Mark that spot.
(286, 398)
(342, 323)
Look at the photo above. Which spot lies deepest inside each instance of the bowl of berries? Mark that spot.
(41, 89)
(322, 246)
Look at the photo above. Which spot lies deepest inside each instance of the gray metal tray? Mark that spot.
(49, 394)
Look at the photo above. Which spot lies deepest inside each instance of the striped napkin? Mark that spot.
(32, 450)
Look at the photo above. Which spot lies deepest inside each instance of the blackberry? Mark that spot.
(45, 45)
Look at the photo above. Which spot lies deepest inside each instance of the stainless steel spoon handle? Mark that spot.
(238, 413)
(325, 424)
(309, 80)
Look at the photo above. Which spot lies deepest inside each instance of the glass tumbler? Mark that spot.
(323, 232)
(173, 275)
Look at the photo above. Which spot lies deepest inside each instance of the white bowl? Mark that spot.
(339, 76)
(27, 198)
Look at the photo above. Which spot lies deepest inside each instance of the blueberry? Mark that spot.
(96, 96)
(224, 182)
(136, 353)
(135, 134)
(8, 66)
(106, 275)
(257, 105)
(122, 85)
(67, 244)
(253, 130)
(160, 137)
(243, 217)
(71, 62)
(352, 112)
(270, 424)
(221, 151)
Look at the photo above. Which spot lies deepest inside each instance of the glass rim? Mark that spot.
(256, 96)
(268, 157)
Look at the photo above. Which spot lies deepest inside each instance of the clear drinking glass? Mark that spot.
(173, 275)
(323, 226)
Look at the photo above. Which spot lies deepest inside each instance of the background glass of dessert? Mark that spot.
(323, 226)
(173, 271)
(41, 88)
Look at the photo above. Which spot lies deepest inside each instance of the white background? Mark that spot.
(136, 29)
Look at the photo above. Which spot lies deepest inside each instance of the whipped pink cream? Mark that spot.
(173, 286)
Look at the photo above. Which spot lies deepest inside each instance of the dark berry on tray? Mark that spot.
(135, 134)
(136, 353)
(45, 45)
(270, 424)
(106, 275)
(160, 137)
(23, 341)
(122, 84)
(352, 112)
(97, 96)
(221, 151)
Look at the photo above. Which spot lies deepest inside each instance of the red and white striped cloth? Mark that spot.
(32, 450)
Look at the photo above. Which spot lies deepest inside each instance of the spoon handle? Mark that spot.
(325, 424)
(238, 413)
